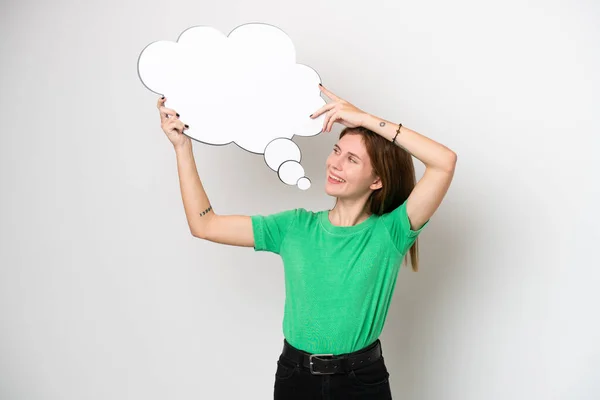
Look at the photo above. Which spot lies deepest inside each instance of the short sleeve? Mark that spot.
(270, 230)
(398, 226)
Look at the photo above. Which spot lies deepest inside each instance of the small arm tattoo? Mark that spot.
(205, 211)
(382, 124)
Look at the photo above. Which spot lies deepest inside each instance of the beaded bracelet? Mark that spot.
(397, 132)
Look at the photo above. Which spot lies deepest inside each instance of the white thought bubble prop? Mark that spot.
(244, 88)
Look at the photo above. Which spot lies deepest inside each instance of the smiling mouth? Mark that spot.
(333, 179)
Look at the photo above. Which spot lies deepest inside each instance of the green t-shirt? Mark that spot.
(339, 280)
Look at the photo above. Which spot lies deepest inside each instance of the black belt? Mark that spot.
(325, 364)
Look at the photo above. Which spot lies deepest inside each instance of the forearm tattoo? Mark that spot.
(205, 211)
(382, 124)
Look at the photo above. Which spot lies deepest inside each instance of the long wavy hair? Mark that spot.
(396, 170)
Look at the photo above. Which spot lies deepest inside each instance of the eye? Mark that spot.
(353, 160)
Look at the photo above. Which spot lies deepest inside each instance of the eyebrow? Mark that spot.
(335, 145)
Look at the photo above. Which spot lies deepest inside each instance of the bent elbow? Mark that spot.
(197, 234)
(450, 163)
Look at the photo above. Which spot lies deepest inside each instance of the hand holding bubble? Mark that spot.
(171, 125)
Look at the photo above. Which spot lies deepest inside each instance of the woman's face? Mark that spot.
(349, 161)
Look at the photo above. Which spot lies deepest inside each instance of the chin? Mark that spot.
(329, 190)
(332, 190)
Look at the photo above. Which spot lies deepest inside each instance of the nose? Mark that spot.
(335, 163)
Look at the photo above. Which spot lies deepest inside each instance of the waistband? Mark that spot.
(324, 364)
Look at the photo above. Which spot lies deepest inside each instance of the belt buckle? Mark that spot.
(312, 371)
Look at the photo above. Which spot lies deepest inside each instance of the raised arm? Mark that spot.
(233, 230)
(440, 162)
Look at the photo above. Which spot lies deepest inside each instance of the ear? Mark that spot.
(376, 184)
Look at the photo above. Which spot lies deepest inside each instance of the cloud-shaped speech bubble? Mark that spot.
(244, 88)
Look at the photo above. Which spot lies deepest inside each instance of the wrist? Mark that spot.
(183, 147)
(368, 120)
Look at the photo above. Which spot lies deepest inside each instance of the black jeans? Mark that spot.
(294, 381)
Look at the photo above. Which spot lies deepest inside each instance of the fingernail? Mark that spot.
(310, 115)
(177, 115)
(163, 97)
(187, 126)
(320, 84)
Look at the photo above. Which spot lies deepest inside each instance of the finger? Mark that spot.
(179, 126)
(326, 121)
(323, 109)
(159, 104)
(170, 124)
(168, 112)
(332, 120)
(329, 93)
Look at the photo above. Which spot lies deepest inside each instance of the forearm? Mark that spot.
(195, 201)
(428, 151)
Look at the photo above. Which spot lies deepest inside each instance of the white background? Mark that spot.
(104, 293)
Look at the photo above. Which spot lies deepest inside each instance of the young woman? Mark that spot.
(340, 264)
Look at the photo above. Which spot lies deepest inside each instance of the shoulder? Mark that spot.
(303, 213)
(305, 217)
(397, 221)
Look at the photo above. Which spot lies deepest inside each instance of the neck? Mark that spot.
(348, 212)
